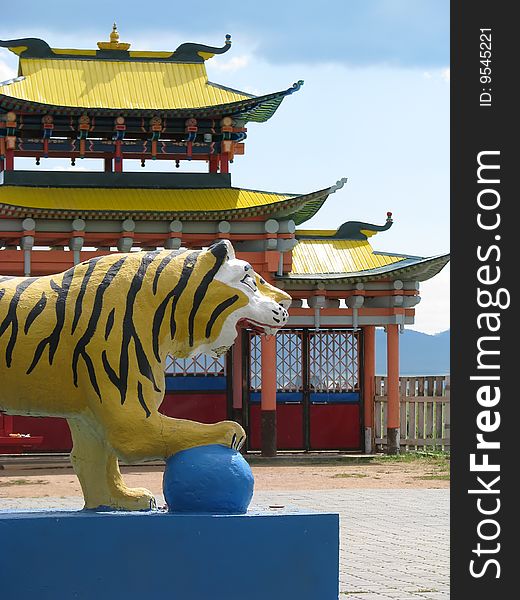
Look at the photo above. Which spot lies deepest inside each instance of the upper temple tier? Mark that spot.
(117, 81)
(114, 103)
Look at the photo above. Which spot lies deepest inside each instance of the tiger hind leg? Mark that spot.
(97, 468)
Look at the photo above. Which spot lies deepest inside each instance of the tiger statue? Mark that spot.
(90, 345)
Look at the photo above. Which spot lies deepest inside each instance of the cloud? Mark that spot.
(438, 74)
(231, 65)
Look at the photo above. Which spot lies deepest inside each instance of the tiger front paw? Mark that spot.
(125, 498)
(230, 434)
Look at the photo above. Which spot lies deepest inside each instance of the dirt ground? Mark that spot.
(414, 472)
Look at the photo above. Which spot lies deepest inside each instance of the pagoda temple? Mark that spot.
(117, 104)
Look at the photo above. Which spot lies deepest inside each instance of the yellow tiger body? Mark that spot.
(90, 345)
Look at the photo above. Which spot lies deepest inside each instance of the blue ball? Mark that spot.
(210, 479)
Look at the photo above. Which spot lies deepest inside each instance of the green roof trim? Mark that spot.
(308, 211)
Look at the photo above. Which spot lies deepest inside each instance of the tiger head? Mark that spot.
(225, 294)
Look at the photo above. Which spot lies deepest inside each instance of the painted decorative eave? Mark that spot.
(409, 268)
(156, 204)
(257, 109)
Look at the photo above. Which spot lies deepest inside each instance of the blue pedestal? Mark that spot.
(266, 555)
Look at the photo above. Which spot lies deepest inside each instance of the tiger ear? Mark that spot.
(222, 250)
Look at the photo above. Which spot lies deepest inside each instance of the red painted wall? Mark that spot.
(55, 432)
(289, 427)
(206, 408)
(335, 426)
(202, 407)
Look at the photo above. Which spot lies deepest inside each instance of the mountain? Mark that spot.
(419, 353)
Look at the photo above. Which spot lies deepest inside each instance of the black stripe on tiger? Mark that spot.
(129, 332)
(81, 347)
(6, 278)
(218, 311)
(187, 269)
(112, 375)
(164, 262)
(53, 339)
(110, 323)
(79, 300)
(219, 251)
(11, 318)
(36, 310)
(140, 397)
(2, 292)
(157, 322)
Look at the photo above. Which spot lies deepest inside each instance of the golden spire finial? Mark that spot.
(114, 43)
(114, 36)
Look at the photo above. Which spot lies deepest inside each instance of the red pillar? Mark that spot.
(9, 159)
(268, 347)
(118, 158)
(237, 377)
(393, 420)
(213, 163)
(369, 371)
(224, 162)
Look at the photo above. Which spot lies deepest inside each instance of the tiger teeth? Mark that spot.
(220, 350)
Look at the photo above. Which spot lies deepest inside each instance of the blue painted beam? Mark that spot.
(181, 383)
(316, 397)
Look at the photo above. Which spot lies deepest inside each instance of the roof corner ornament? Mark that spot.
(351, 230)
(295, 86)
(28, 47)
(338, 185)
(114, 43)
(197, 53)
(358, 230)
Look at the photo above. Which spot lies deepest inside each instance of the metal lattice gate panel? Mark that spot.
(334, 361)
(200, 364)
(288, 362)
(255, 363)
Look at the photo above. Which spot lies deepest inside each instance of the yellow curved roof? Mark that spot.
(137, 199)
(337, 256)
(117, 84)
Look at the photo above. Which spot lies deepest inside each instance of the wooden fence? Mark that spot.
(425, 412)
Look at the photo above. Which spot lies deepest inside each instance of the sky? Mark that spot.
(374, 106)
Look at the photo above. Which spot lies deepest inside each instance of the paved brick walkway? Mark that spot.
(394, 543)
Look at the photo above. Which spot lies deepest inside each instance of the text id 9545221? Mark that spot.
(485, 97)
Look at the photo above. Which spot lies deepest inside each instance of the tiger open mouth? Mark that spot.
(257, 327)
